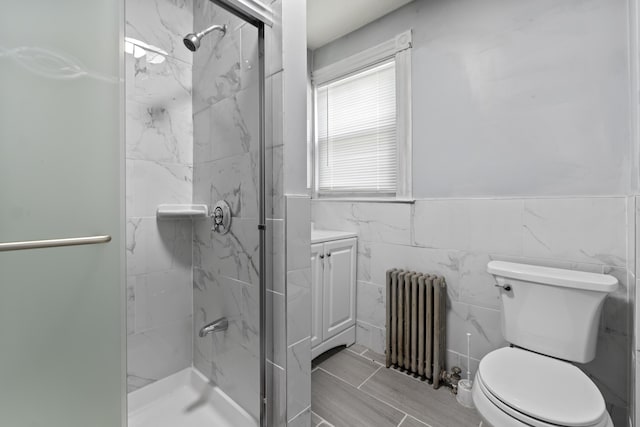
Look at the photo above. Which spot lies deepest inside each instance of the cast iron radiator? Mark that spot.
(416, 308)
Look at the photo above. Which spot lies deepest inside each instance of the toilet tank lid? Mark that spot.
(554, 276)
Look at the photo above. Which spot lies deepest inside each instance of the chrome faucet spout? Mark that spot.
(218, 325)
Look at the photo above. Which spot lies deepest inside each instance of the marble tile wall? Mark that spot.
(226, 149)
(277, 343)
(457, 238)
(298, 297)
(292, 85)
(159, 156)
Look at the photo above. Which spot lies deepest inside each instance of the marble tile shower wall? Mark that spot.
(159, 140)
(457, 238)
(226, 154)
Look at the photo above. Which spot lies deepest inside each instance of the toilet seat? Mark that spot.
(538, 390)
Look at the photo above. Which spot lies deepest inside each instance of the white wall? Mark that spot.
(513, 98)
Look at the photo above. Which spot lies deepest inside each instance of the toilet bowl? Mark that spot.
(551, 318)
(515, 387)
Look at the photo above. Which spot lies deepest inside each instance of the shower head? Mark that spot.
(192, 41)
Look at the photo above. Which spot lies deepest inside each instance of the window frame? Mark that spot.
(397, 49)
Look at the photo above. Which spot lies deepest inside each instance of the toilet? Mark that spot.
(550, 317)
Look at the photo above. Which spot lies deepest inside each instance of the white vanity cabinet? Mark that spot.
(333, 290)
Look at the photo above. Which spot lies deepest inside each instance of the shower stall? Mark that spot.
(136, 184)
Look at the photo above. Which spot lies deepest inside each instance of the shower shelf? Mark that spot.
(182, 211)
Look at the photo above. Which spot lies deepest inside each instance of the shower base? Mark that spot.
(185, 399)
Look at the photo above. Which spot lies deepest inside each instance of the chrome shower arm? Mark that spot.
(221, 28)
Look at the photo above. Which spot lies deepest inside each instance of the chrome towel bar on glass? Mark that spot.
(53, 243)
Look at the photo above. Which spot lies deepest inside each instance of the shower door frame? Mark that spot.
(258, 15)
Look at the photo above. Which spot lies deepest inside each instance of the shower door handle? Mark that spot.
(54, 243)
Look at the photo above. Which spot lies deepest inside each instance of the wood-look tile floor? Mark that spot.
(350, 387)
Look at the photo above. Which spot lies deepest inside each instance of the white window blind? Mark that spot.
(356, 133)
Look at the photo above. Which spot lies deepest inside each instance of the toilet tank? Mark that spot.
(550, 310)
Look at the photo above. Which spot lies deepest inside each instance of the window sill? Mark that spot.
(363, 199)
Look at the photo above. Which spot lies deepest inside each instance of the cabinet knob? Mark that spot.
(321, 256)
(329, 254)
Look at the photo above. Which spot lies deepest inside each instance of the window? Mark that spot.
(356, 133)
(362, 124)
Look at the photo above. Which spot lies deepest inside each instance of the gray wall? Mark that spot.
(513, 98)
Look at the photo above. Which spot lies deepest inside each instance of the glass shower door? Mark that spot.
(61, 348)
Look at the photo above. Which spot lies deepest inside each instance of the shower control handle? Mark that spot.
(221, 216)
(218, 216)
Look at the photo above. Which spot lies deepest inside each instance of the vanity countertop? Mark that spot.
(318, 236)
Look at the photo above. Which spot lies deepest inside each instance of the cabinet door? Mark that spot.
(339, 308)
(317, 267)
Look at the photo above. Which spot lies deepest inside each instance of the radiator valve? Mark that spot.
(451, 379)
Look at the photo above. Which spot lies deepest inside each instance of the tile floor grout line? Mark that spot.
(368, 358)
(376, 362)
(383, 398)
(417, 420)
(369, 377)
(402, 420)
(337, 377)
(322, 420)
(308, 408)
(358, 388)
(368, 394)
(379, 399)
(385, 402)
(355, 352)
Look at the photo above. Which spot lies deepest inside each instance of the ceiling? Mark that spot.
(328, 20)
